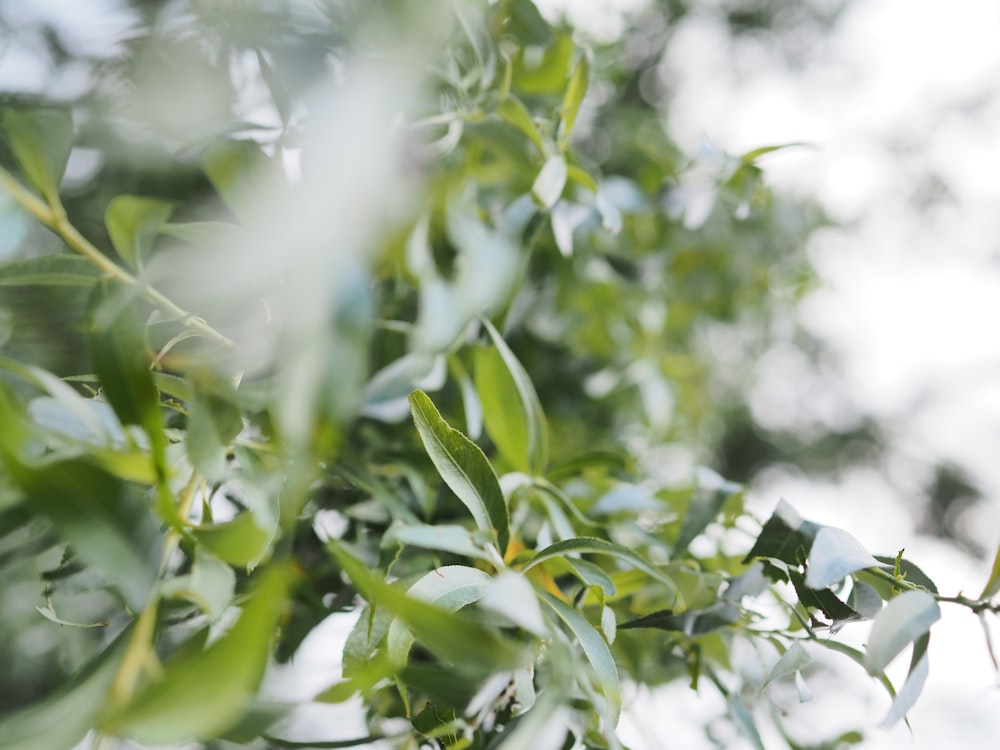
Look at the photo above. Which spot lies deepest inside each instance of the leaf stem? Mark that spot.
(977, 606)
(54, 217)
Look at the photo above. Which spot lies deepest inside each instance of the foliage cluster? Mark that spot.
(458, 389)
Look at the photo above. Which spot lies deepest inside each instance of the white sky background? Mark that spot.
(910, 299)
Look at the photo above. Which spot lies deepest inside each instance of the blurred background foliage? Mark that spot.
(345, 189)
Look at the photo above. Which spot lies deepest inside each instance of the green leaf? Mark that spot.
(592, 545)
(692, 622)
(511, 596)
(210, 584)
(121, 362)
(526, 24)
(50, 270)
(550, 182)
(41, 141)
(240, 542)
(993, 584)
(204, 693)
(212, 424)
(449, 587)
(904, 619)
(511, 409)
(237, 170)
(703, 509)
(107, 523)
(208, 233)
(512, 111)
(574, 96)
(821, 599)
(461, 641)
(834, 555)
(463, 467)
(133, 224)
(596, 650)
(795, 659)
(61, 720)
(785, 537)
(455, 539)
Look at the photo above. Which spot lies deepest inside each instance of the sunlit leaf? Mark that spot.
(457, 540)
(511, 596)
(904, 619)
(574, 96)
(993, 583)
(835, 554)
(549, 183)
(463, 467)
(914, 685)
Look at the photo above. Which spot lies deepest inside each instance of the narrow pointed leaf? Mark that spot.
(463, 467)
(785, 537)
(512, 411)
(596, 650)
(795, 659)
(914, 685)
(241, 542)
(574, 96)
(993, 584)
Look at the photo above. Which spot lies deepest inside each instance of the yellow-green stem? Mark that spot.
(54, 217)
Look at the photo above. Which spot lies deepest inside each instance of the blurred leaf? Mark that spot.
(50, 614)
(449, 587)
(574, 96)
(511, 596)
(210, 584)
(550, 182)
(795, 659)
(835, 554)
(512, 412)
(211, 234)
(904, 619)
(238, 169)
(133, 224)
(49, 270)
(513, 112)
(457, 540)
(459, 640)
(61, 720)
(596, 650)
(203, 693)
(525, 23)
(993, 584)
(41, 141)
(241, 542)
(692, 622)
(463, 467)
(107, 523)
(121, 361)
(212, 425)
(703, 509)
(744, 722)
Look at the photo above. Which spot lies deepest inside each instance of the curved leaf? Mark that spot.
(512, 412)
(596, 650)
(904, 619)
(835, 554)
(49, 270)
(464, 468)
(133, 224)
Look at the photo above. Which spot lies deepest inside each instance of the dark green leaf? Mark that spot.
(41, 141)
(133, 224)
(785, 537)
(821, 599)
(106, 521)
(691, 622)
(704, 507)
(61, 720)
(463, 467)
(913, 574)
